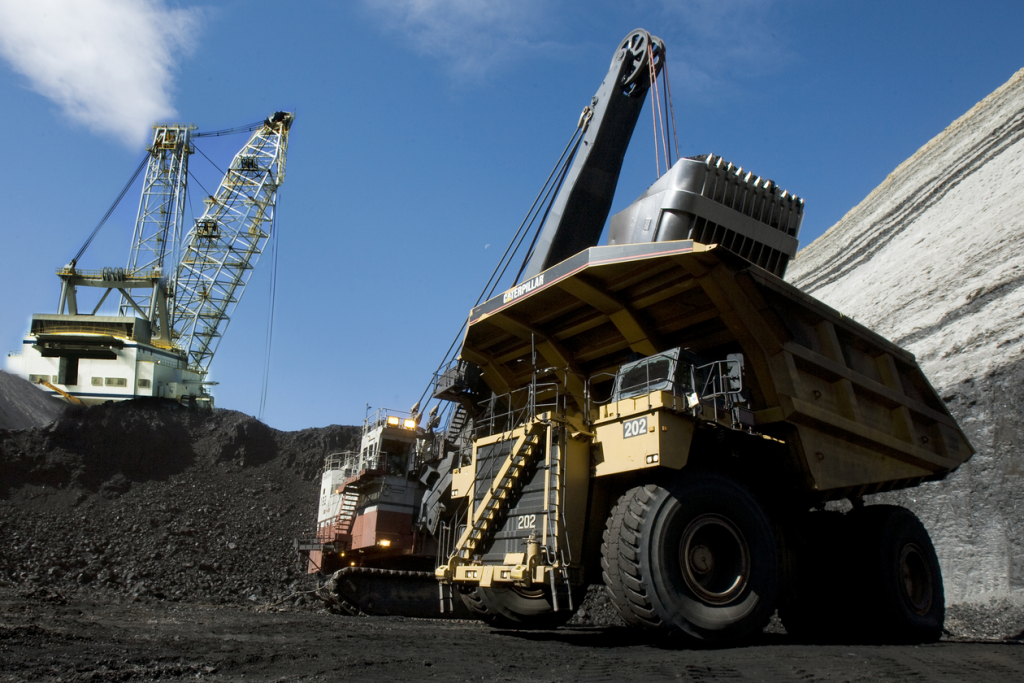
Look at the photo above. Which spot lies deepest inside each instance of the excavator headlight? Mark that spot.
(392, 421)
(409, 424)
(384, 543)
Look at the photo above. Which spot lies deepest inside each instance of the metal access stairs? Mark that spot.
(497, 496)
(458, 420)
(346, 516)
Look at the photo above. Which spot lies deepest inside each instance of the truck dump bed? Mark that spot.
(855, 411)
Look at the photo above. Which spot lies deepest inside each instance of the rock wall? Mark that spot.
(933, 259)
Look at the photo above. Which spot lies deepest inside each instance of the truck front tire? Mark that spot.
(610, 570)
(702, 555)
(515, 608)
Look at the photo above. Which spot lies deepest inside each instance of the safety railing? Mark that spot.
(640, 388)
(393, 418)
(351, 463)
(505, 412)
(110, 274)
(723, 386)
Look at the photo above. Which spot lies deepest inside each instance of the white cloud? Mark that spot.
(107, 63)
(472, 37)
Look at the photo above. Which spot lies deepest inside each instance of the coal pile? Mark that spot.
(23, 406)
(145, 500)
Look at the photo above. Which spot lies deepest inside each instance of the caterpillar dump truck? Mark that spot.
(664, 414)
(673, 420)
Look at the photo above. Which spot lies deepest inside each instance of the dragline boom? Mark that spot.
(225, 243)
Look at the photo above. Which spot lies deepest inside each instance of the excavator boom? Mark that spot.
(579, 211)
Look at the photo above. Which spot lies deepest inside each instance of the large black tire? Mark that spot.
(817, 598)
(610, 560)
(471, 599)
(631, 575)
(700, 557)
(516, 608)
(900, 597)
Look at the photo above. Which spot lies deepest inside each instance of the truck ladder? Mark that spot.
(497, 496)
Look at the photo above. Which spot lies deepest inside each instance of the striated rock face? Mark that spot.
(933, 259)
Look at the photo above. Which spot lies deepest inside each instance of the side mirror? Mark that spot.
(734, 373)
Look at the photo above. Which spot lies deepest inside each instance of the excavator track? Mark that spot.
(387, 592)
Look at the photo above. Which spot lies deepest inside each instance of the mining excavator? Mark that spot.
(663, 414)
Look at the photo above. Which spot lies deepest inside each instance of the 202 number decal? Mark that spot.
(526, 522)
(634, 427)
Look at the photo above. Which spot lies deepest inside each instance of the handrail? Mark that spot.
(505, 412)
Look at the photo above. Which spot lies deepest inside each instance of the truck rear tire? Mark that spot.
(900, 597)
(517, 608)
(703, 555)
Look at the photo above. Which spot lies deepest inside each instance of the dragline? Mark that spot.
(179, 289)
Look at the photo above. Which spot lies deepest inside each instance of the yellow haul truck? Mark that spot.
(670, 419)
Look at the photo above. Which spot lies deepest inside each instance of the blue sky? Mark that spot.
(423, 131)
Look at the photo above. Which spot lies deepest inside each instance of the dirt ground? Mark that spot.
(54, 639)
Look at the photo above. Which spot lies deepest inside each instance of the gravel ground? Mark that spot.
(83, 640)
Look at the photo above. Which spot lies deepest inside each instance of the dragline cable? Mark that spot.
(113, 206)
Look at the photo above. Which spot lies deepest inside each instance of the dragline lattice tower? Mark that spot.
(158, 224)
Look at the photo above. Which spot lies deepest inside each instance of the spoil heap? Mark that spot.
(144, 499)
(933, 259)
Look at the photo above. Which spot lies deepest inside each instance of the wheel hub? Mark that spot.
(714, 559)
(916, 579)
